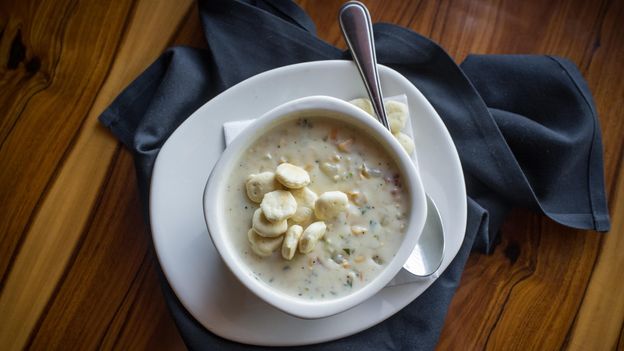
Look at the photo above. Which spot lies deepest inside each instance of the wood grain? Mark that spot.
(52, 71)
(109, 305)
(73, 187)
(77, 269)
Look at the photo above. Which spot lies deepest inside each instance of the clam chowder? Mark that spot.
(315, 208)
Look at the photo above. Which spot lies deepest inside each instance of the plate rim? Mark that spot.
(197, 114)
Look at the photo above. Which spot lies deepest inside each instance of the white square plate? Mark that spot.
(202, 282)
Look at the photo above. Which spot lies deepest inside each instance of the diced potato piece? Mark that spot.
(357, 197)
(345, 146)
(358, 230)
(330, 169)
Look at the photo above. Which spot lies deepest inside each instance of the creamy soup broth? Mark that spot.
(358, 243)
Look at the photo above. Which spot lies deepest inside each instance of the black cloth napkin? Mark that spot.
(525, 128)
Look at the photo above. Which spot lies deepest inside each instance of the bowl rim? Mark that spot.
(280, 114)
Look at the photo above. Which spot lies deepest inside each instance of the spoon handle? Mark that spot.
(357, 29)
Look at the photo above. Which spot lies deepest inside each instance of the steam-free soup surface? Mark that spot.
(359, 242)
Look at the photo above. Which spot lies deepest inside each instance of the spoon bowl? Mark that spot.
(426, 257)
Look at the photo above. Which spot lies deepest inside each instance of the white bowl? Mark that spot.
(215, 215)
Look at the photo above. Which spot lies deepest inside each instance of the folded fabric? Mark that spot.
(525, 128)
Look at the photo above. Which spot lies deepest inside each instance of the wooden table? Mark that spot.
(76, 264)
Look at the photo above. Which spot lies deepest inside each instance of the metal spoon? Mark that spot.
(357, 30)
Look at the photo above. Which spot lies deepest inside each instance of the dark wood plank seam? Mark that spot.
(532, 269)
(149, 258)
(590, 51)
(46, 188)
(76, 251)
(618, 174)
(612, 193)
(140, 275)
(566, 339)
(504, 304)
(619, 339)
